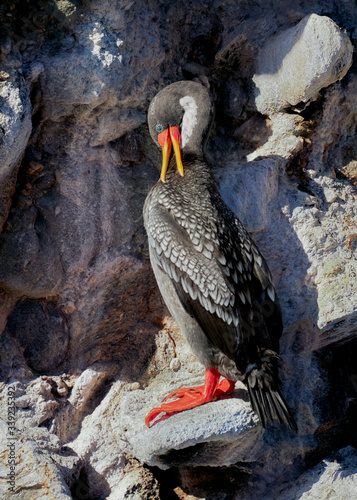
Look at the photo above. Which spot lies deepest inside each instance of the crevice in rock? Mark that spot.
(208, 482)
(80, 490)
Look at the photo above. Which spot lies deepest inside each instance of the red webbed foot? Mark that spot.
(190, 397)
(179, 393)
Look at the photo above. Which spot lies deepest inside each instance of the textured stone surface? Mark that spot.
(215, 434)
(42, 352)
(37, 475)
(299, 62)
(85, 338)
(15, 122)
(136, 485)
(334, 478)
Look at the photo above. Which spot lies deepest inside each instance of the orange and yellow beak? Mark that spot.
(168, 139)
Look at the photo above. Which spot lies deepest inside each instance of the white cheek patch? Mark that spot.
(189, 119)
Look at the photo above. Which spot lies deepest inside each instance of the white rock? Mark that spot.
(175, 364)
(173, 441)
(34, 470)
(330, 195)
(301, 61)
(136, 485)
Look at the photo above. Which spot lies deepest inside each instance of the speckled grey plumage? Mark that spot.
(211, 274)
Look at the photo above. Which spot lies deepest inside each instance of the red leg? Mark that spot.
(190, 397)
(224, 388)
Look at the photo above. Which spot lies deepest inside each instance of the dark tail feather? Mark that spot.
(264, 394)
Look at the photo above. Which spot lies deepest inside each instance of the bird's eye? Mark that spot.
(159, 128)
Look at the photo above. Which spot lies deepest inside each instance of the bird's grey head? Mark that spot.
(185, 104)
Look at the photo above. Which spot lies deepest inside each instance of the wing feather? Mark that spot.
(216, 271)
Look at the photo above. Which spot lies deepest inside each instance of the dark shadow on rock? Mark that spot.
(339, 332)
(338, 402)
(42, 332)
(211, 483)
(11, 357)
(123, 327)
(81, 488)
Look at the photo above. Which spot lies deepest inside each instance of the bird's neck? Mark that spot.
(195, 167)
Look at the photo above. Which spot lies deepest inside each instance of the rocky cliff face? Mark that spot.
(87, 346)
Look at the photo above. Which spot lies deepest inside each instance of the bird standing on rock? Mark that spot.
(213, 279)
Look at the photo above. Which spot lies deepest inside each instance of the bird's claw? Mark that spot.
(152, 415)
(190, 397)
